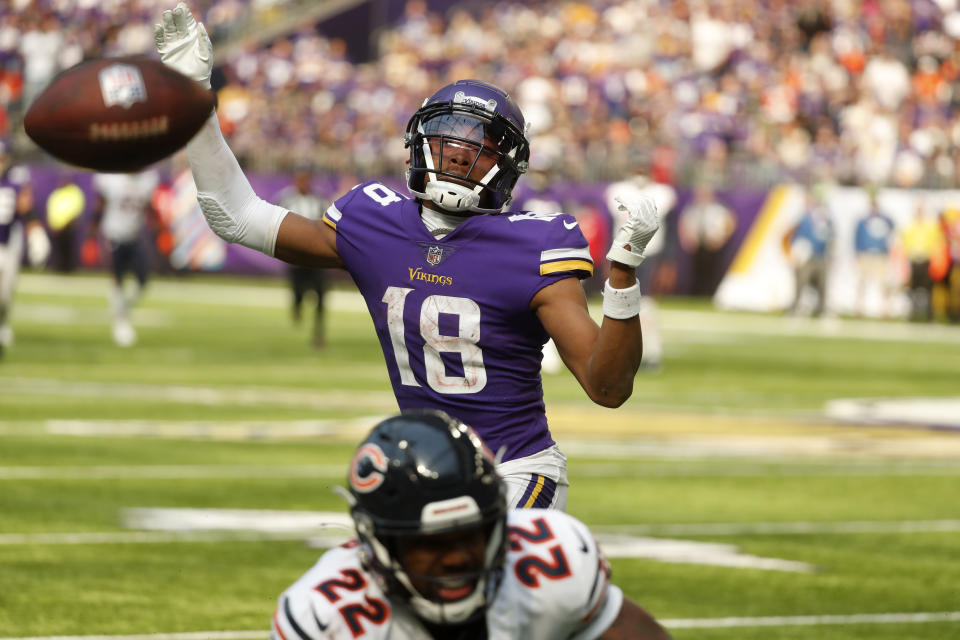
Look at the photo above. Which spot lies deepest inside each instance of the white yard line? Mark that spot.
(199, 471)
(674, 321)
(797, 621)
(193, 635)
(212, 396)
(299, 531)
(753, 325)
(680, 623)
(176, 472)
(203, 293)
(141, 537)
(786, 528)
(61, 314)
(771, 468)
(256, 430)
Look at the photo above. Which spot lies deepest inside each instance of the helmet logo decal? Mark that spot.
(490, 105)
(367, 468)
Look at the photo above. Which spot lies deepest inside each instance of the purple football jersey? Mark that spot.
(453, 315)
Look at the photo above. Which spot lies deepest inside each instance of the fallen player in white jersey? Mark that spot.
(440, 557)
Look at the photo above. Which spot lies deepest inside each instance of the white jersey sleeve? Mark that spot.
(335, 600)
(556, 581)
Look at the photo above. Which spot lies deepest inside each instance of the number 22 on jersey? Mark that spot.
(466, 313)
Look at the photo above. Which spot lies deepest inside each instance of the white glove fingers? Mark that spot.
(158, 37)
(169, 28)
(184, 21)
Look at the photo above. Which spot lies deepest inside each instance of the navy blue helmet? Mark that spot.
(421, 475)
(476, 127)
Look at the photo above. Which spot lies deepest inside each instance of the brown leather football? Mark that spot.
(117, 114)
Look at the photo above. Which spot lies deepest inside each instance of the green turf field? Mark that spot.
(731, 504)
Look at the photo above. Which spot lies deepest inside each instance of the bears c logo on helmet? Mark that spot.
(367, 468)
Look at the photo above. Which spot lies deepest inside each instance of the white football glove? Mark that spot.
(633, 235)
(184, 45)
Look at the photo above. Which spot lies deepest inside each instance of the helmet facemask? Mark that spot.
(431, 595)
(464, 157)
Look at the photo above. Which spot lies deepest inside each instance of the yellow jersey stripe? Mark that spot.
(566, 265)
(535, 492)
(330, 223)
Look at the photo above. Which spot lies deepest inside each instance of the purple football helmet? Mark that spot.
(477, 127)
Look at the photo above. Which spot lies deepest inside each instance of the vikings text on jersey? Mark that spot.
(453, 315)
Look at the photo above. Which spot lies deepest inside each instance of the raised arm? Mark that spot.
(604, 358)
(229, 204)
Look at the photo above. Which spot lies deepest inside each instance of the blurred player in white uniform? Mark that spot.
(439, 555)
(17, 228)
(122, 208)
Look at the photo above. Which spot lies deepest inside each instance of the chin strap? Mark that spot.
(452, 197)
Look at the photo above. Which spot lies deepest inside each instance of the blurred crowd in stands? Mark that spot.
(719, 91)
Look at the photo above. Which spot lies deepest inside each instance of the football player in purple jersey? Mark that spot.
(19, 231)
(463, 292)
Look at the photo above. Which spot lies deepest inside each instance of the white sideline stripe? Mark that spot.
(205, 293)
(192, 635)
(262, 430)
(331, 528)
(792, 621)
(679, 623)
(787, 528)
(212, 396)
(674, 321)
(939, 412)
(61, 314)
(768, 448)
(163, 472)
(142, 537)
(790, 469)
(705, 529)
(198, 471)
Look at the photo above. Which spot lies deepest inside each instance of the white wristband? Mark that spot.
(621, 304)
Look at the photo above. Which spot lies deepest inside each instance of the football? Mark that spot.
(117, 114)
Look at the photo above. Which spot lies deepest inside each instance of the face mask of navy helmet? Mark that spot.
(420, 475)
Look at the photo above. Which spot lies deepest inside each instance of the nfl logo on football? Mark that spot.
(122, 84)
(434, 255)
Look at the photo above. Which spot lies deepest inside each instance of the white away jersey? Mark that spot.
(556, 584)
(126, 197)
